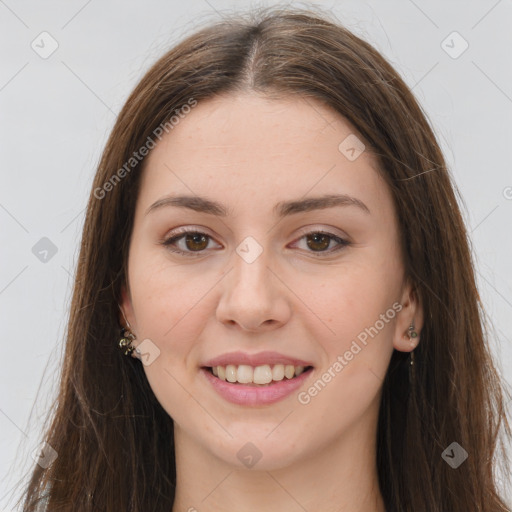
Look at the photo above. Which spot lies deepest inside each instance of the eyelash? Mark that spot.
(183, 232)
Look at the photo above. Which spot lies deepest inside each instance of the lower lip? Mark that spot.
(256, 395)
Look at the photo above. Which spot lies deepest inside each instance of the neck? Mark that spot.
(342, 478)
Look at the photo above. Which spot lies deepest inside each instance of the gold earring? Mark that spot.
(125, 343)
(127, 337)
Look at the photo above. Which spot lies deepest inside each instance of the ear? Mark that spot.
(127, 316)
(411, 312)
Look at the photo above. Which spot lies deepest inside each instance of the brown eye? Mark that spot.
(318, 241)
(191, 243)
(196, 241)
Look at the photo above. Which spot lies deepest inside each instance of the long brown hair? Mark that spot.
(114, 440)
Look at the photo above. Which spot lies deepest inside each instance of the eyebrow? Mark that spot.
(281, 209)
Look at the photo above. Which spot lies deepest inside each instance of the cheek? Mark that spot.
(171, 309)
(171, 303)
(163, 301)
(359, 307)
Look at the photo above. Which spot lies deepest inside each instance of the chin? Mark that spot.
(253, 451)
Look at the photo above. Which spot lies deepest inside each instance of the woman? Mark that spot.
(273, 230)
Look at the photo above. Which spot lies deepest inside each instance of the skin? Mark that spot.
(249, 153)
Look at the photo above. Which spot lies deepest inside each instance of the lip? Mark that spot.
(241, 394)
(267, 357)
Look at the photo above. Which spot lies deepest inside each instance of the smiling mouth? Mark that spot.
(259, 376)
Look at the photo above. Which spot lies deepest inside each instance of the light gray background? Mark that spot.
(56, 114)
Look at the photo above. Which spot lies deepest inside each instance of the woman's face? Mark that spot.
(271, 276)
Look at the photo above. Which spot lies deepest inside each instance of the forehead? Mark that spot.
(246, 147)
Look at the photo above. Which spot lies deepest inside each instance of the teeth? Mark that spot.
(244, 374)
(278, 372)
(264, 374)
(289, 371)
(231, 373)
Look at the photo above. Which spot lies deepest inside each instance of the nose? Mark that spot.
(253, 296)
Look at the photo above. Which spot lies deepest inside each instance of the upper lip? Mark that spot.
(261, 358)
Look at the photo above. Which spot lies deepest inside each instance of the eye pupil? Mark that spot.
(196, 238)
(318, 238)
